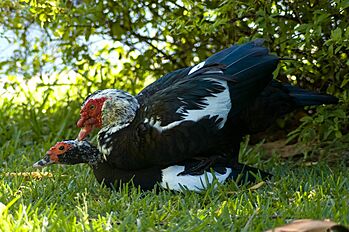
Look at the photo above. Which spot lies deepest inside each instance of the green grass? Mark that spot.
(72, 200)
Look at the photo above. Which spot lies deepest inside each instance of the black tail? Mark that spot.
(308, 98)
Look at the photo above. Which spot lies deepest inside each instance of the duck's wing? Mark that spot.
(236, 58)
(181, 120)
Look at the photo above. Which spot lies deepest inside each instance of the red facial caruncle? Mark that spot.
(58, 149)
(90, 116)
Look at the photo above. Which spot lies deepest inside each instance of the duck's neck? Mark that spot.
(91, 155)
(120, 110)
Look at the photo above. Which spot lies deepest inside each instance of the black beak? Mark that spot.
(43, 162)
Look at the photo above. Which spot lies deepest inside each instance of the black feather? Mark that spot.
(304, 97)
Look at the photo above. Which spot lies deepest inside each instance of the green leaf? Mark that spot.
(338, 49)
(336, 35)
(88, 32)
(344, 82)
(330, 50)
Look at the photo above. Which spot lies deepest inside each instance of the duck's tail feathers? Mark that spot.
(309, 98)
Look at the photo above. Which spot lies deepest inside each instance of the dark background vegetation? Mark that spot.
(127, 44)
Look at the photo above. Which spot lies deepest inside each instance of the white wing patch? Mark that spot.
(196, 67)
(180, 110)
(217, 105)
(171, 125)
(195, 183)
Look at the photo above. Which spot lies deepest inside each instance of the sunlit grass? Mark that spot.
(72, 201)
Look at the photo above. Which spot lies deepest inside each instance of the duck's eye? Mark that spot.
(92, 107)
(61, 148)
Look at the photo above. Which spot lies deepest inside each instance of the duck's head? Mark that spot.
(105, 107)
(70, 152)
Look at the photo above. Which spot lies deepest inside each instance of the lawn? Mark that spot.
(72, 200)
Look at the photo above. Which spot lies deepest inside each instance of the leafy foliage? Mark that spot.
(156, 37)
(326, 127)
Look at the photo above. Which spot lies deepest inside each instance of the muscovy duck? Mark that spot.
(203, 110)
(73, 152)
